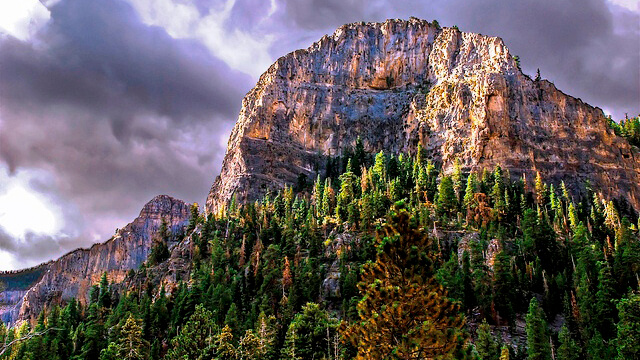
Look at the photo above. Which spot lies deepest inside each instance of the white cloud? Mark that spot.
(22, 18)
(8, 261)
(242, 50)
(23, 210)
(629, 4)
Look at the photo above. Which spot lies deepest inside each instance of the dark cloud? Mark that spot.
(323, 14)
(35, 248)
(116, 110)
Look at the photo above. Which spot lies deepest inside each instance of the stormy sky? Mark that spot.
(107, 103)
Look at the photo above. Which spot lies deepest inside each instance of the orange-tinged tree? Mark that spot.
(404, 312)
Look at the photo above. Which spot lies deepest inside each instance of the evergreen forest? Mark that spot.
(382, 257)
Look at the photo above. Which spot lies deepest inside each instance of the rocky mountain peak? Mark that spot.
(72, 275)
(163, 207)
(401, 83)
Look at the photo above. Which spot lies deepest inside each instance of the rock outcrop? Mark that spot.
(400, 83)
(72, 275)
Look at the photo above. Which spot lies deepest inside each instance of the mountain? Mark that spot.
(72, 275)
(401, 83)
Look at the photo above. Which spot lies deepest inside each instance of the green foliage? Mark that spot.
(486, 345)
(404, 312)
(628, 128)
(568, 349)
(195, 337)
(263, 284)
(131, 345)
(447, 200)
(537, 334)
(628, 343)
(160, 249)
(310, 335)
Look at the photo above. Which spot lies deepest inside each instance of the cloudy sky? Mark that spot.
(106, 103)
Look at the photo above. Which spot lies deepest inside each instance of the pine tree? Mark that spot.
(317, 195)
(626, 264)
(628, 342)
(160, 249)
(504, 353)
(193, 219)
(538, 347)
(481, 278)
(347, 193)
(286, 276)
(497, 194)
(195, 337)
(605, 308)
(131, 345)
(359, 157)
(328, 198)
(248, 347)
(404, 312)
(541, 191)
(503, 285)
(379, 172)
(486, 345)
(497, 191)
(307, 334)
(265, 333)
(94, 334)
(104, 299)
(456, 177)
(447, 200)
(568, 349)
(611, 217)
(223, 344)
(472, 188)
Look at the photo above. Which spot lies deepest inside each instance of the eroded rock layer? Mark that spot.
(400, 83)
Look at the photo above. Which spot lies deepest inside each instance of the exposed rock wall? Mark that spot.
(72, 275)
(399, 83)
(14, 285)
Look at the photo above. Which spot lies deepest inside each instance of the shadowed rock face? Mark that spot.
(14, 285)
(400, 83)
(72, 275)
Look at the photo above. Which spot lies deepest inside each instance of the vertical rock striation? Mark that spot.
(401, 83)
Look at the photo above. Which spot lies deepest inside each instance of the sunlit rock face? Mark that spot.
(401, 83)
(72, 275)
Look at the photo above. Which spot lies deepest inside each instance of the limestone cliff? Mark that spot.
(400, 83)
(14, 285)
(72, 275)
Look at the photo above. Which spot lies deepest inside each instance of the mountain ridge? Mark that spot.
(73, 274)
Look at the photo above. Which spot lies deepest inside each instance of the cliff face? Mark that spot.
(14, 285)
(72, 275)
(400, 83)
